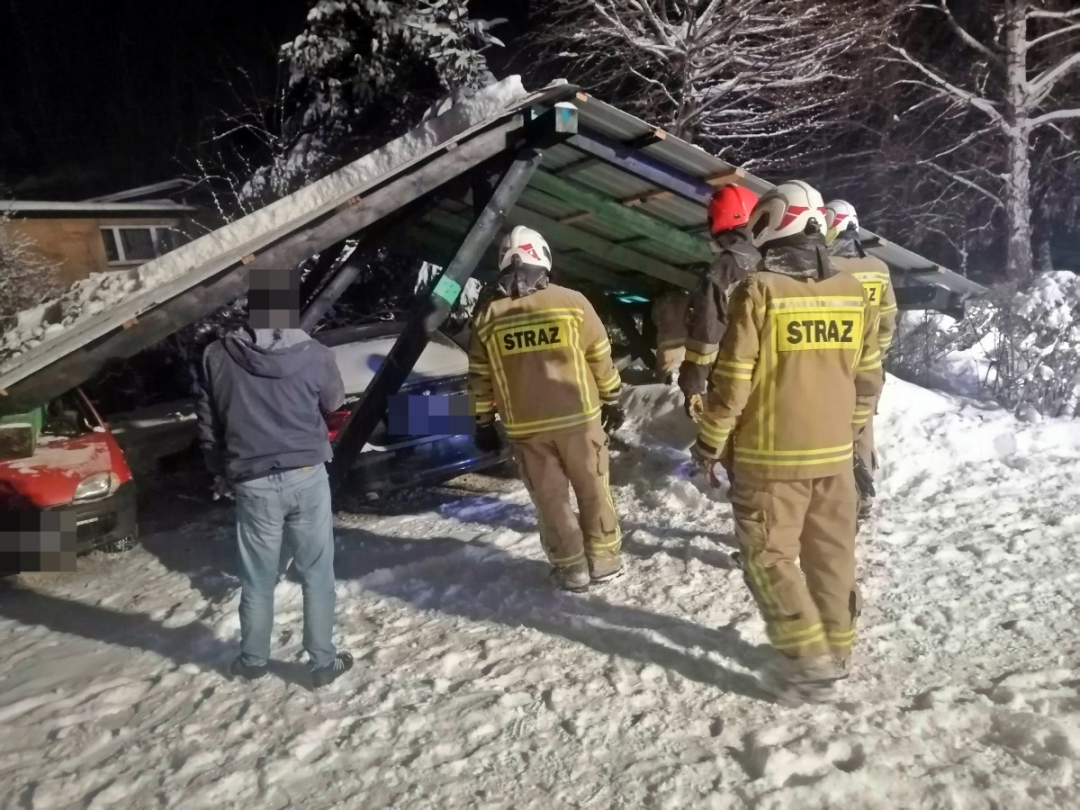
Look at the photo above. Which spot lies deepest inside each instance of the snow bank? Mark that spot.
(1018, 346)
(104, 290)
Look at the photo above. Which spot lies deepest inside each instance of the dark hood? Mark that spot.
(741, 248)
(522, 280)
(801, 256)
(271, 353)
(847, 246)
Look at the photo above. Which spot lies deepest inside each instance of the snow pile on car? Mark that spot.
(91, 296)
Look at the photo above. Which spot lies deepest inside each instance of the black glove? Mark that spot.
(611, 417)
(864, 481)
(487, 438)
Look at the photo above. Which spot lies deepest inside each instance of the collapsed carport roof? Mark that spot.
(623, 205)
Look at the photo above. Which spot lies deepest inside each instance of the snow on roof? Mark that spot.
(49, 206)
(30, 348)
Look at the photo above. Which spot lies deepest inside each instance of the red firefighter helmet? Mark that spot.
(730, 208)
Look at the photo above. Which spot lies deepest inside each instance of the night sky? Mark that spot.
(101, 95)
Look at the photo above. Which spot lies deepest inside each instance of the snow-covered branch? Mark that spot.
(979, 103)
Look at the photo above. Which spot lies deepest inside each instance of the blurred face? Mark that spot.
(274, 299)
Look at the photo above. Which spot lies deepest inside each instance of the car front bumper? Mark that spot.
(108, 520)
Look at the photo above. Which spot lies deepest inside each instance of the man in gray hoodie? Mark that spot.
(266, 389)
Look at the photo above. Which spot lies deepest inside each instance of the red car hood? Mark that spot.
(49, 477)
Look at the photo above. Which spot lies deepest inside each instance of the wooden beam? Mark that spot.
(732, 175)
(575, 264)
(617, 214)
(575, 167)
(646, 197)
(632, 161)
(564, 235)
(581, 217)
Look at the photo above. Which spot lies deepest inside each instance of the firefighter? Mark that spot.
(849, 256)
(799, 362)
(736, 258)
(669, 316)
(541, 358)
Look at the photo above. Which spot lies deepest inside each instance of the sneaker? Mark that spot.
(324, 676)
(605, 568)
(238, 669)
(574, 580)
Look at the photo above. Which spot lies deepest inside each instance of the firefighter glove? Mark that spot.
(611, 417)
(863, 479)
(487, 437)
(694, 406)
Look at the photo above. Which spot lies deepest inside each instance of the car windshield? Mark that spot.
(65, 417)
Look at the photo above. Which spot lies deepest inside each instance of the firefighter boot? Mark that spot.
(573, 578)
(798, 681)
(605, 568)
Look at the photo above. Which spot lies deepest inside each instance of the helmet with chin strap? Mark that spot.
(840, 216)
(790, 209)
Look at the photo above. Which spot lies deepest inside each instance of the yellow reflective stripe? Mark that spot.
(732, 375)
(716, 436)
(736, 364)
(581, 370)
(485, 407)
(502, 387)
(610, 382)
(798, 462)
(816, 303)
(784, 453)
(700, 347)
(872, 276)
(526, 318)
(598, 350)
(809, 641)
(566, 562)
(671, 344)
(781, 634)
(700, 359)
(480, 368)
(841, 636)
(523, 428)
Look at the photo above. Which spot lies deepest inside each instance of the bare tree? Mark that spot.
(1011, 83)
(756, 80)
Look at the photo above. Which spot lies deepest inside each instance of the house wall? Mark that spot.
(76, 245)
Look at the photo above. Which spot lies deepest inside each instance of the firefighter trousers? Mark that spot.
(669, 356)
(550, 463)
(784, 525)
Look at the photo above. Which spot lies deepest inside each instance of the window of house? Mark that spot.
(125, 244)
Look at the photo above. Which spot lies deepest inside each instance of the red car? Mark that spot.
(78, 466)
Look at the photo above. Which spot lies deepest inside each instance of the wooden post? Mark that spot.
(431, 315)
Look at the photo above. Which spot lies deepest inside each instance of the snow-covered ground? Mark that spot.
(478, 685)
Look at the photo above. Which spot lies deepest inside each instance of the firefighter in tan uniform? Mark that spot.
(540, 357)
(736, 258)
(848, 255)
(797, 364)
(669, 316)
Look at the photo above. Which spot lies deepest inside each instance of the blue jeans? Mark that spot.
(293, 505)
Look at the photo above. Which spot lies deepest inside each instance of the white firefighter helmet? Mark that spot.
(787, 210)
(528, 246)
(839, 216)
